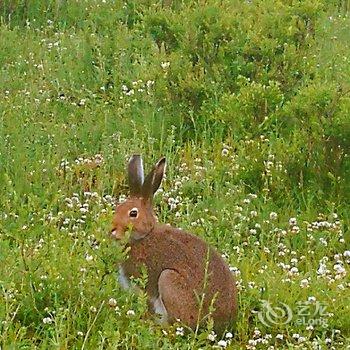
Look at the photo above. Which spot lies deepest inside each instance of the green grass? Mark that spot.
(249, 102)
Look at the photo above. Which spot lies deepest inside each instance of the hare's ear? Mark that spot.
(135, 173)
(153, 180)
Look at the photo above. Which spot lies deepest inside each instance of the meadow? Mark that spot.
(250, 103)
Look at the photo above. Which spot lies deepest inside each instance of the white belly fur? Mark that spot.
(158, 305)
(123, 279)
(159, 309)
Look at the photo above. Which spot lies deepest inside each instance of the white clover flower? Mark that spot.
(279, 336)
(112, 302)
(339, 269)
(93, 309)
(89, 257)
(322, 269)
(253, 213)
(224, 152)
(347, 253)
(222, 343)
(273, 215)
(304, 283)
(292, 221)
(165, 65)
(235, 270)
(311, 299)
(130, 313)
(256, 333)
(211, 336)
(295, 229)
(323, 241)
(47, 320)
(252, 231)
(180, 331)
(294, 270)
(83, 210)
(228, 335)
(341, 286)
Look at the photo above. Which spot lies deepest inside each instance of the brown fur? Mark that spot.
(183, 270)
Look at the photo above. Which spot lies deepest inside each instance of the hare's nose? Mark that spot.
(116, 234)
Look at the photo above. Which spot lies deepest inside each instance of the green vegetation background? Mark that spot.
(244, 98)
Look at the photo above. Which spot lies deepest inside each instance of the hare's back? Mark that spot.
(205, 270)
(190, 255)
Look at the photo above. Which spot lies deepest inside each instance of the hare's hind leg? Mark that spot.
(178, 298)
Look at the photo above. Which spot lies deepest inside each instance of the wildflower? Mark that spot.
(224, 152)
(211, 336)
(273, 215)
(228, 335)
(47, 320)
(130, 313)
(149, 83)
(235, 270)
(253, 213)
(304, 283)
(294, 270)
(165, 65)
(89, 257)
(339, 269)
(292, 221)
(112, 302)
(93, 309)
(347, 253)
(323, 241)
(311, 299)
(279, 336)
(180, 331)
(322, 269)
(222, 343)
(257, 333)
(295, 229)
(251, 344)
(84, 210)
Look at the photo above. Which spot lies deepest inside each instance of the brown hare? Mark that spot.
(187, 279)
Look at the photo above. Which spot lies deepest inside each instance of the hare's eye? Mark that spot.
(133, 213)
